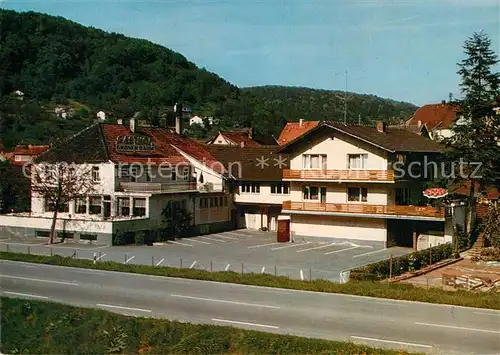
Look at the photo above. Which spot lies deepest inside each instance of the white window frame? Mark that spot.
(360, 194)
(363, 161)
(281, 188)
(307, 161)
(250, 188)
(96, 174)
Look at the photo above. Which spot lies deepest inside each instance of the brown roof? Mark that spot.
(490, 192)
(240, 137)
(293, 130)
(33, 150)
(245, 163)
(441, 116)
(392, 140)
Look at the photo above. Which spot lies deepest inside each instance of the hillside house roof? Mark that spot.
(435, 116)
(392, 139)
(249, 159)
(237, 138)
(489, 193)
(293, 130)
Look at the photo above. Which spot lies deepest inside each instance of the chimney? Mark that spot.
(242, 144)
(178, 118)
(419, 123)
(132, 124)
(301, 122)
(119, 121)
(381, 126)
(250, 132)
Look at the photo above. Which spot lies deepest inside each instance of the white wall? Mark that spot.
(264, 196)
(378, 194)
(339, 227)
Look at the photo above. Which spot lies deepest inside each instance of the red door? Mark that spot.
(283, 230)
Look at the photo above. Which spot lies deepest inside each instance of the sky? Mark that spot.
(404, 50)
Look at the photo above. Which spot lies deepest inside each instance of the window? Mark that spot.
(49, 207)
(95, 204)
(134, 174)
(248, 188)
(148, 174)
(81, 205)
(95, 173)
(282, 188)
(357, 194)
(173, 176)
(139, 207)
(403, 196)
(225, 201)
(185, 173)
(314, 161)
(221, 201)
(88, 236)
(123, 206)
(203, 202)
(124, 171)
(357, 161)
(314, 193)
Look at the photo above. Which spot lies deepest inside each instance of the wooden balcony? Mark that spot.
(154, 187)
(340, 175)
(365, 209)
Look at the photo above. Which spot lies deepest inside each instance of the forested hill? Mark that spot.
(57, 62)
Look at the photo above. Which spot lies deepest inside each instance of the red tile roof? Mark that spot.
(239, 137)
(293, 130)
(490, 193)
(33, 150)
(441, 116)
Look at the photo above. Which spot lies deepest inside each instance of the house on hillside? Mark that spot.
(200, 120)
(137, 171)
(362, 183)
(24, 153)
(236, 138)
(434, 120)
(103, 115)
(18, 94)
(257, 187)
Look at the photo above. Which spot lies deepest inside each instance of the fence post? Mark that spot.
(181, 263)
(275, 271)
(8, 248)
(100, 256)
(125, 260)
(74, 254)
(152, 260)
(430, 255)
(310, 274)
(242, 268)
(51, 251)
(211, 266)
(95, 257)
(390, 266)
(29, 250)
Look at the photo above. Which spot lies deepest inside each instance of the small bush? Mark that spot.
(410, 262)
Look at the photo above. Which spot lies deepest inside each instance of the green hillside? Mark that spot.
(55, 62)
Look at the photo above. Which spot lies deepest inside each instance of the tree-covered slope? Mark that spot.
(55, 61)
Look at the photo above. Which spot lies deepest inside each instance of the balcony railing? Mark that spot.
(390, 210)
(340, 175)
(158, 187)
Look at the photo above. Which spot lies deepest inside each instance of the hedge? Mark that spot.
(401, 264)
(38, 327)
(397, 291)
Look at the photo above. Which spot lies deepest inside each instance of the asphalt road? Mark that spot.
(414, 326)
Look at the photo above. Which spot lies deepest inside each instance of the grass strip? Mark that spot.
(361, 288)
(39, 327)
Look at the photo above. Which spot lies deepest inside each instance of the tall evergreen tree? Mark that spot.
(476, 135)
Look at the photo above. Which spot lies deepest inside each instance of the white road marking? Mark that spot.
(100, 257)
(341, 250)
(159, 262)
(314, 248)
(262, 245)
(121, 307)
(301, 274)
(459, 328)
(263, 269)
(245, 323)
(193, 264)
(371, 252)
(388, 303)
(227, 267)
(27, 244)
(24, 294)
(198, 241)
(392, 342)
(488, 314)
(213, 239)
(179, 243)
(293, 245)
(126, 261)
(39, 280)
(224, 301)
(224, 236)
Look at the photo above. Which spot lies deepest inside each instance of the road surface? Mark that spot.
(421, 327)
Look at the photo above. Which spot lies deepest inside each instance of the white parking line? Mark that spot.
(245, 323)
(179, 243)
(121, 307)
(159, 262)
(341, 250)
(227, 267)
(459, 328)
(392, 342)
(39, 280)
(223, 236)
(213, 239)
(314, 248)
(262, 245)
(132, 257)
(100, 257)
(198, 241)
(293, 245)
(24, 294)
(224, 301)
(371, 252)
(239, 234)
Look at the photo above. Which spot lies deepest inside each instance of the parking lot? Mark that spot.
(240, 251)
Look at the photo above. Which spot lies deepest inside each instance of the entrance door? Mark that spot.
(283, 230)
(322, 193)
(106, 205)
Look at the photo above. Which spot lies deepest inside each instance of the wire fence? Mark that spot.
(156, 259)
